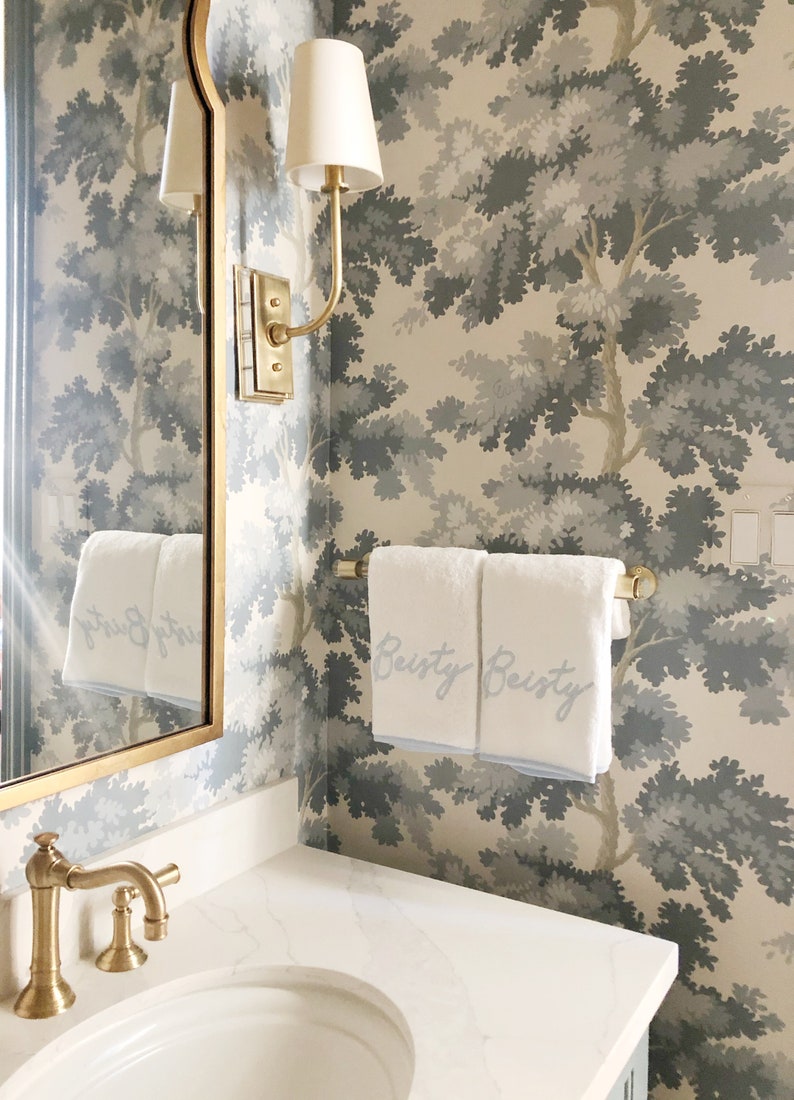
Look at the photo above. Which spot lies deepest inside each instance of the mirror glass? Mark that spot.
(112, 495)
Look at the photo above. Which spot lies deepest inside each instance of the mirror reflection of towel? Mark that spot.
(110, 613)
(173, 664)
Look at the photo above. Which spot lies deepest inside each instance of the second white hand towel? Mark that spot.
(424, 615)
(547, 663)
(173, 659)
(111, 611)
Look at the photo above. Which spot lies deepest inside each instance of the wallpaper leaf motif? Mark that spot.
(615, 426)
(598, 196)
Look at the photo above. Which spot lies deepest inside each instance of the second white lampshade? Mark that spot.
(181, 184)
(330, 117)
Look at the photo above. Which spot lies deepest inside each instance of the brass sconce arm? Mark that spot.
(277, 332)
(262, 313)
(332, 147)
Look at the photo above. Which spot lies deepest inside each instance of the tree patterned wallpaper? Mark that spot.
(568, 329)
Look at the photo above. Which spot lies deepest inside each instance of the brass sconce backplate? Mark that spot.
(264, 371)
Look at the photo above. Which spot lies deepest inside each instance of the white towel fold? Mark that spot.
(547, 624)
(621, 619)
(110, 613)
(424, 616)
(173, 663)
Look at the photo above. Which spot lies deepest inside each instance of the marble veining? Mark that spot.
(395, 932)
(485, 983)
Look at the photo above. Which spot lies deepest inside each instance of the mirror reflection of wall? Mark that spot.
(114, 376)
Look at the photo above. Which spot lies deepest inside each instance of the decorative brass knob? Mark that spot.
(46, 841)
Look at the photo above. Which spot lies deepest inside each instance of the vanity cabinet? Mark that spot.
(633, 1081)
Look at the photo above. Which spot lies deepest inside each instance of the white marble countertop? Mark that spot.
(503, 999)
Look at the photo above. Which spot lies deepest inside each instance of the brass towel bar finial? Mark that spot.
(637, 583)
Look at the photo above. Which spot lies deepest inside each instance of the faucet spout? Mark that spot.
(155, 921)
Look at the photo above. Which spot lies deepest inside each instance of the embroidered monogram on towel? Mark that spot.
(96, 626)
(136, 629)
(169, 629)
(388, 659)
(135, 619)
(498, 677)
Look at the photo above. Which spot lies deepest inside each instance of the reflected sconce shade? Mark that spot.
(181, 184)
(332, 147)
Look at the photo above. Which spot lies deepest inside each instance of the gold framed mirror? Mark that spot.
(111, 427)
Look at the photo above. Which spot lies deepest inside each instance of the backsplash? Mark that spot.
(568, 329)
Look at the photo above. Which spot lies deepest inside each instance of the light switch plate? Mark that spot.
(58, 508)
(744, 535)
(753, 512)
(783, 540)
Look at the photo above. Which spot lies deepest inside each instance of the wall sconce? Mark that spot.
(331, 147)
(181, 183)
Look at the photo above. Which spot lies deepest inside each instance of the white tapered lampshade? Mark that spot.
(181, 185)
(330, 117)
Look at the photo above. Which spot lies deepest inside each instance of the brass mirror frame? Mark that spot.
(213, 233)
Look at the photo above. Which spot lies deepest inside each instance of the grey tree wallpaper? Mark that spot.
(568, 329)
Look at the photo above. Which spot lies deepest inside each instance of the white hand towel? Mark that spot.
(547, 671)
(174, 658)
(424, 613)
(110, 613)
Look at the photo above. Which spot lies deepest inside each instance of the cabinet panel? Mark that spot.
(633, 1081)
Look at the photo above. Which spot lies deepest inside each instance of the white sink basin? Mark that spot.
(270, 1033)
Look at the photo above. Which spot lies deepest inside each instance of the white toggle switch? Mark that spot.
(783, 538)
(70, 510)
(52, 512)
(745, 531)
(756, 524)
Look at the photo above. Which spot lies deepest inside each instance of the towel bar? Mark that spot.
(638, 583)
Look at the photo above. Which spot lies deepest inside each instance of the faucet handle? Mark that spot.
(45, 840)
(123, 953)
(166, 876)
(47, 866)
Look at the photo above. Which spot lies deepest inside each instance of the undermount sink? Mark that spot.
(270, 1033)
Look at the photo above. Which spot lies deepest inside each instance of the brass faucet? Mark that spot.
(123, 953)
(47, 993)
